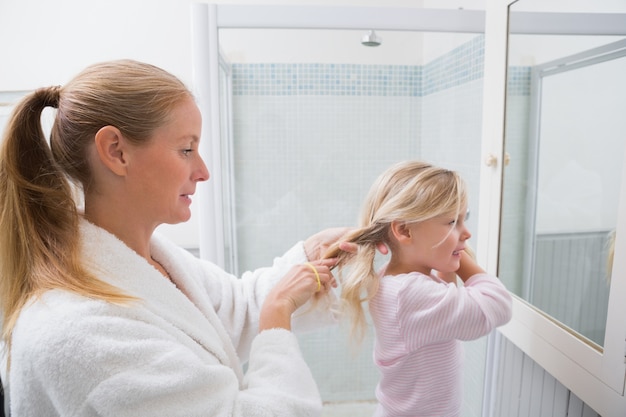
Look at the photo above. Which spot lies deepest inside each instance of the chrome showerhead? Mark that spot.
(371, 39)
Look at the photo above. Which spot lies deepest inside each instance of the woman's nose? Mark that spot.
(202, 173)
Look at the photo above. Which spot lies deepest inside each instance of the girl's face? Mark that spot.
(437, 243)
(167, 169)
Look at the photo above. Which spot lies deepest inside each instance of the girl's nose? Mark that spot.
(465, 234)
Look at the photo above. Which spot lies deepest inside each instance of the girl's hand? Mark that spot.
(468, 267)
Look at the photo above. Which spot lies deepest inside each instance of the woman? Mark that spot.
(104, 317)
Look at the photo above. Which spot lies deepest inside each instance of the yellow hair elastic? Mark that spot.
(317, 275)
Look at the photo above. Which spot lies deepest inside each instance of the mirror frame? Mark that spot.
(596, 377)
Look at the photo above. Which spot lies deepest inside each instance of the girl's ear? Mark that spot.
(401, 232)
(110, 147)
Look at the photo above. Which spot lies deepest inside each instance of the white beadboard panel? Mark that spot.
(570, 280)
(525, 389)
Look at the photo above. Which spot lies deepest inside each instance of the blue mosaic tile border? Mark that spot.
(461, 65)
(326, 79)
(518, 81)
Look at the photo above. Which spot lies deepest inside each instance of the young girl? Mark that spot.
(420, 316)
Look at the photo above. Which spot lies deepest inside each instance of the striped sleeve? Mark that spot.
(434, 311)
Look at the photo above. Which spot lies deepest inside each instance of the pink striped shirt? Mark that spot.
(419, 322)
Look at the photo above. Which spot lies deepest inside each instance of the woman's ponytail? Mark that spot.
(37, 213)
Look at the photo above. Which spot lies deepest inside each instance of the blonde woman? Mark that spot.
(420, 315)
(104, 317)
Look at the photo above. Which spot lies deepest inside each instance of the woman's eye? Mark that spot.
(187, 151)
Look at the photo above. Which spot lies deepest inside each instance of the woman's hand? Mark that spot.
(296, 288)
(328, 243)
(317, 245)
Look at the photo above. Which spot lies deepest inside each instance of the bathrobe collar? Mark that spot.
(177, 302)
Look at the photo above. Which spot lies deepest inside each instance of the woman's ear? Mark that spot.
(110, 147)
(401, 232)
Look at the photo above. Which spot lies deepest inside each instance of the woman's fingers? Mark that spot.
(316, 245)
(305, 280)
(353, 247)
(321, 270)
(317, 275)
(294, 290)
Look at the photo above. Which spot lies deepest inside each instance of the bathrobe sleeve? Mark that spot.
(81, 357)
(238, 301)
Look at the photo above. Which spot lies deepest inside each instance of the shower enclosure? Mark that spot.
(310, 134)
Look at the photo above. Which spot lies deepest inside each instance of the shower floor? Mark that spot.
(354, 409)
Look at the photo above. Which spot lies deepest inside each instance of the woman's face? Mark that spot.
(166, 170)
(437, 243)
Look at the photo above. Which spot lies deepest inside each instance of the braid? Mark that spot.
(361, 281)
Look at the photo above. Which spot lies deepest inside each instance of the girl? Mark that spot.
(419, 315)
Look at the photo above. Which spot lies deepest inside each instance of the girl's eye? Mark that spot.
(452, 222)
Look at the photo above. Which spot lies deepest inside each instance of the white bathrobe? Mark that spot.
(175, 352)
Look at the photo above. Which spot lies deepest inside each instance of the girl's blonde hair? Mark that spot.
(408, 192)
(40, 241)
(610, 255)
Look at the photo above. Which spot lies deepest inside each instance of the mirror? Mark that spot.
(565, 135)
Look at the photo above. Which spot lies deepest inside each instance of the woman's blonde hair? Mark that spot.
(408, 192)
(40, 241)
